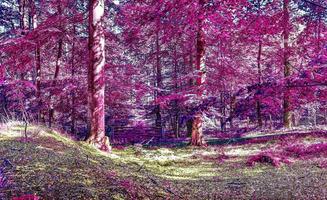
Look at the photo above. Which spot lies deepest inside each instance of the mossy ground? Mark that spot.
(53, 166)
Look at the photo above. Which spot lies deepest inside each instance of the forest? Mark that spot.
(163, 99)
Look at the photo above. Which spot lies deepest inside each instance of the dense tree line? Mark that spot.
(178, 66)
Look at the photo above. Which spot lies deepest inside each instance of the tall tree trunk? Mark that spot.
(38, 79)
(223, 112)
(176, 103)
(22, 8)
(189, 120)
(158, 80)
(23, 23)
(319, 33)
(287, 115)
(58, 64)
(232, 109)
(54, 83)
(96, 76)
(197, 133)
(37, 63)
(73, 112)
(258, 103)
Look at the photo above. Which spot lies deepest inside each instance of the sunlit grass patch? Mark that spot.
(170, 163)
(242, 151)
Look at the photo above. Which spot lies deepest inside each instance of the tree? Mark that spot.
(197, 132)
(96, 82)
(287, 115)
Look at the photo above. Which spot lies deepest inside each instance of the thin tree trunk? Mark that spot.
(38, 80)
(197, 133)
(55, 77)
(319, 34)
(176, 104)
(223, 113)
(58, 64)
(73, 117)
(258, 103)
(189, 121)
(38, 67)
(22, 6)
(287, 116)
(158, 80)
(96, 76)
(231, 114)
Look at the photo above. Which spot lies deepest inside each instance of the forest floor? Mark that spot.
(53, 166)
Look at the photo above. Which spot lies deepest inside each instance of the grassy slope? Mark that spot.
(55, 167)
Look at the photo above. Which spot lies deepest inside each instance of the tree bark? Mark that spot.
(58, 64)
(176, 103)
(96, 81)
(223, 112)
(55, 77)
(73, 112)
(37, 64)
(287, 115)
(197, 133)
(38, 80)
(258, 103)
(158, 80)
(189, 121)
(232, 109)
(22, 8)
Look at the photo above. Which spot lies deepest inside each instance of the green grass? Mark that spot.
(55, 167)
